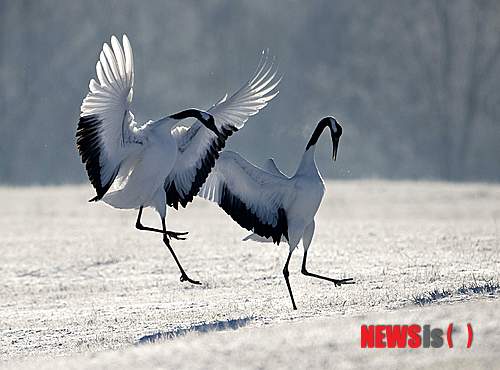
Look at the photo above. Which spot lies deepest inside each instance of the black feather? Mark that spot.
(89, 146)
(244, 216)
(207, 162)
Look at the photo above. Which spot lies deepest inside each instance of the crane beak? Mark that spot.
(335, 143)
(336, 133)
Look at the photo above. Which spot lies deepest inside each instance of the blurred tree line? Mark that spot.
(415, 84)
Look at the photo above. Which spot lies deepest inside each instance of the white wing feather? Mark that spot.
(270, 166)
(254, 198)
(107, 131)
(250, 98)
(199, 146)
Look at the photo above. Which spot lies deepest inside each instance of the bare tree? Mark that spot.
(457, 57)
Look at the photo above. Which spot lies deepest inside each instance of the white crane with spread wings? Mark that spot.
(276, 208)
(133, 165)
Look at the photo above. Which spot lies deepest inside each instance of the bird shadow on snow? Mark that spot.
(220, 325)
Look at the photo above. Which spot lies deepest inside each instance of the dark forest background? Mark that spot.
(416, 84)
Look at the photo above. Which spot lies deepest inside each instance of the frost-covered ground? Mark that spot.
(77, 277)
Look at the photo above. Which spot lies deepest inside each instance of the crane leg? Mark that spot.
(172, 234)
(337, 282)
(286, 274)
(184, 276)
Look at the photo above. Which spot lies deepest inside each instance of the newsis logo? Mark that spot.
(409, 336)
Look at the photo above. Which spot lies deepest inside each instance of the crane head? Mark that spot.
(209, 122)
(335, 132)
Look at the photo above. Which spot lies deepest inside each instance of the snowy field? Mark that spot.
(79, 281)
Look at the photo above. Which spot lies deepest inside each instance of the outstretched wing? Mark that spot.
(254, 198)
(107, 131)
(199, 147)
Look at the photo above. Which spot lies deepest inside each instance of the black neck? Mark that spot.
(317, 132)
(195, 113)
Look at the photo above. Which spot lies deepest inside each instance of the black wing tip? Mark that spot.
(239, 212)
(89, 144)
(218, 143)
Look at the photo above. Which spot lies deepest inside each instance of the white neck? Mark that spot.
(307, 164)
